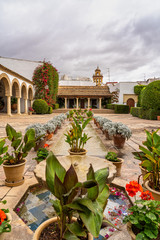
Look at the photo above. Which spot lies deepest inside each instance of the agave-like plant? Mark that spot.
(76, 137)
(85, 199)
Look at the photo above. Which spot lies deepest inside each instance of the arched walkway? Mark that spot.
(5, 94)
(30, 96)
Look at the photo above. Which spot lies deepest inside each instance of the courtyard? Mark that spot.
(96, 148)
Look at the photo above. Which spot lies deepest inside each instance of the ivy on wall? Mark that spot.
(45, 80)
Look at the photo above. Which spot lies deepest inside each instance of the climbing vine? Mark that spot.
(45, 80)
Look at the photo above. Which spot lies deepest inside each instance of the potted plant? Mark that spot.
(143, 220)
(49, 127)
(120, 133)
(85, 199)
(13, 103)
(76, 137)
(14, 162)
(151, 163)
(30, 110)
(42, 154)
(112, 157)
(5, 221)
(40, 134)
(89, 113)
(107, 125)
(1, 103)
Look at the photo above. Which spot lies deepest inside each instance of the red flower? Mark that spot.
(133, 187)
(146, 195)
(2, 216)
(46, 145)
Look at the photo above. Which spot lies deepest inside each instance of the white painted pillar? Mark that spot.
(31, 103)
(18, 106)
(89, 103)
(100, 103)
(77, 104)
(9, 105)
(65, 103)
(26, 106)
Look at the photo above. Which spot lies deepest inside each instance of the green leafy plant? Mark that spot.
(42, 154)
(112, 156)
(144, 214)
(152, 158)
(75, 137)
(85, 199)
(89, 113)
(13, 100)
(5, 225)
(21, 146)
(3, 149)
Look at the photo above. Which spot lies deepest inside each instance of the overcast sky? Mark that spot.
(77, 35)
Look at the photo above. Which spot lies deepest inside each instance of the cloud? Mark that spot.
(78, 35)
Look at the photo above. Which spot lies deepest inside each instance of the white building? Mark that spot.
(16, 81)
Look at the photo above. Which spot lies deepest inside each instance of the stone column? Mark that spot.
(26, 106)
(9, 105)
(100, 103)
(65, 103)
(18, 106)
(77, 103)
(31, 103)
(89, 103)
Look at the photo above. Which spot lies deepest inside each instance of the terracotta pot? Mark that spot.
(29, 113)
(131, 233)
(94, 120)
(14, 106)
(77, 153)
(118, 166)
(158, 118)
(55, 131)
(155, 194)
(14, 174)
(40, 144)
(118, 141)
(4, 235)
(46, 224)
(107, 135)
(98, 125)
(49, 136)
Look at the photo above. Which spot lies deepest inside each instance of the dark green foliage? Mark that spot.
(138, 89)
(40, 106)
(150, 98)
(145, 217)
(110, 106)
(42, 154)
(50, 110)
(112, 156)
(120, 108)
(13, 100)
(150, 114)
(56, 106)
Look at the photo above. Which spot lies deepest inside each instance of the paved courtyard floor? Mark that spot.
(130, 169)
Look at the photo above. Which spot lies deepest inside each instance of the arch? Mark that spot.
(7, 83)
(30, 92)
(16, 87)
(24, 93)
(130, 102)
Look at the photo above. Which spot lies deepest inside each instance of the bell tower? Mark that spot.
(98, 77)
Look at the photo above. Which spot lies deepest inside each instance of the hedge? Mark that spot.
(150, 114)
(56, 106)
(150, 98)
(50, 110)
(40, 106)
(110, 106)
(138, 89)
(120, 108)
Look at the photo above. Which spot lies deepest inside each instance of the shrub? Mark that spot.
(136, 111)
(56, 106)
(40, 106)
(120, 108)
(138, 89)
(150, 98)
(50, 110)
(110, 106)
